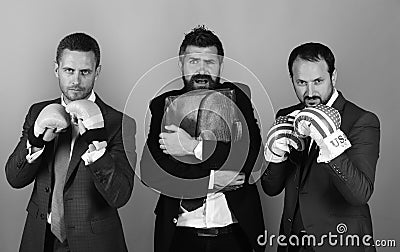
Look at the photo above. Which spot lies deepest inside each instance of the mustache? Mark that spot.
(201, 77)
(312, 98)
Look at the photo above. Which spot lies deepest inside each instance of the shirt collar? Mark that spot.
(92, 97)
(333, 98)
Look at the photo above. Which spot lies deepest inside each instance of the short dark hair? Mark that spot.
(200, 36)
(313, 52)
(79, 42)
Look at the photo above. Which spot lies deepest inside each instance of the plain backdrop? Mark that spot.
(135, 36)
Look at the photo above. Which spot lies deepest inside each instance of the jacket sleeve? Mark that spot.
(113, 172)
(353, 172)
(273, 181)
(19, 172)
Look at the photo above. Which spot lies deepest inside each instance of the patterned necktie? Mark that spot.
(61, 162)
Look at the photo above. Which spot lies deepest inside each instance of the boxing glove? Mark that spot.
(51, 120)
(91, 117)
(281, 139)
(322, 124)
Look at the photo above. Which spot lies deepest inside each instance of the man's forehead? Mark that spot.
(69, 56)
(301, 66)
(196, 50)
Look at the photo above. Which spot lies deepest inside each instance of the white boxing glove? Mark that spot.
(281, 139)
(88, 112)
(322, 124)
(51, 120)
(92, 119)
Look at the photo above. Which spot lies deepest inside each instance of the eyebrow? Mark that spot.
(71, 68)
(86, 69)
(319, 78)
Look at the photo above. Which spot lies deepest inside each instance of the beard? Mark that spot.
(200, 81)
(76, 93)
(312, 101)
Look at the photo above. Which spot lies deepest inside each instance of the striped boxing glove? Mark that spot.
(322, 124)
(281, 139)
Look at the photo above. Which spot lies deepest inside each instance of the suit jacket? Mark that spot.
(335, 193)
(176, 180)
(92, 194)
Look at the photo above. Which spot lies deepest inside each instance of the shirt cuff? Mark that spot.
(93, 156)
(211, 181)
(198, 151)
(31, 157)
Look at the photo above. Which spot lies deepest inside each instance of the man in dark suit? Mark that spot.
(328, 184)
(206, 201)
(80, 163)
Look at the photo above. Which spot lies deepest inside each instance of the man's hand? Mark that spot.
(178, 142)
(228, 180)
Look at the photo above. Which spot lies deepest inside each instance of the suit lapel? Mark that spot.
(51, 147)
(50, 154)
(339, 103)
(80, 146)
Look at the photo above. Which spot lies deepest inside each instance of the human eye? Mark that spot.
(301, 83)
(193, 61)
(69, 70)
(210, 62)
(318, 81)
(85, 72)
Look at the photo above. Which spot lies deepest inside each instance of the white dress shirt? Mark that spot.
(213, 213)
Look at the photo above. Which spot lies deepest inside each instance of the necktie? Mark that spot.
(61, 162)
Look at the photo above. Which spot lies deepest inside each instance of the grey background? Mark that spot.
(136, 35)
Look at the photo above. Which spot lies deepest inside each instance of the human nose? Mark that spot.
(202, 68)
(310, 89)
(76, 78)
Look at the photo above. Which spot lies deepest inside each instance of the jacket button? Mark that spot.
(175, 220)
(47, 189)
(42, 216)
(290, 220)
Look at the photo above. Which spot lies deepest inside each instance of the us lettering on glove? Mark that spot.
(89, 114)
(322, 124)
(281, 139)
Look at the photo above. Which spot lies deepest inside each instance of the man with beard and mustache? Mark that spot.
(328, 183)
(206, 202)
(73, 151)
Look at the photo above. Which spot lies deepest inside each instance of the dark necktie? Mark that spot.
(61, 161)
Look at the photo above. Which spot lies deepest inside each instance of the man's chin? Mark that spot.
(75, 97)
